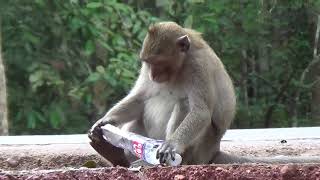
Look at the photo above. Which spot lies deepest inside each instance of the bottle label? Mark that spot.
(138, 149)
(150, 148)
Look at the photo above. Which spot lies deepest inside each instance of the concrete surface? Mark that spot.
(271, 134)
(59, 151)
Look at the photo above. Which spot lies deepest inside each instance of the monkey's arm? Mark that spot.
(128, 109)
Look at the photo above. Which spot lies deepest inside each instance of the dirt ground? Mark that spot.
(223, 172)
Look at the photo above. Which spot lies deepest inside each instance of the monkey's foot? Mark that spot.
(113, 154)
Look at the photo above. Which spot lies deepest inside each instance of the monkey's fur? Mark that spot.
(183, 95)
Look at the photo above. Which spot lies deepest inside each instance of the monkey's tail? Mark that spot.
(225, 158)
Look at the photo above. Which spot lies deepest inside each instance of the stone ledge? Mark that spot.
(235, 135)
(63, 151)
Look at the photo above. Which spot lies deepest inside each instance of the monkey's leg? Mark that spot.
(203, 148)
(177, 115)
(111, 153)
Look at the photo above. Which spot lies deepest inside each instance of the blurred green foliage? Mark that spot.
(69, 61)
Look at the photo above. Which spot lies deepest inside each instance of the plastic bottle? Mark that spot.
(142, 147)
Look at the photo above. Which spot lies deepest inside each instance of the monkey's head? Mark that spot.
(164, 50)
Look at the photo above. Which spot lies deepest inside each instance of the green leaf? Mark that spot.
(74, 1)
(35, 76)
(89, 47)
(93, 77)
(76, 23)
(111, 80)
(40, 3)
(136, 27)
(90, 164)
(127, 22)
(40, 117)
(119, 41)
(188, 22)
(76, 93)
(31, 120)
(128, 73)
(162, 3)
(105, 45)
(100, 69)
(30, 37)
(94, 5)
(196, 1)
(54, 118)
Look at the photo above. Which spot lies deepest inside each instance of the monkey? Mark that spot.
(183, 95)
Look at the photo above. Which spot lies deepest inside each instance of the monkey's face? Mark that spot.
(164, 51)
(161, 67)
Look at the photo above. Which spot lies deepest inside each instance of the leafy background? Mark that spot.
(67, 62)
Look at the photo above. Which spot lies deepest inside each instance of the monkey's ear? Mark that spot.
(183, 43)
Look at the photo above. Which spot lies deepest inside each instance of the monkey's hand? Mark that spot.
(95, 133)
(167, 150)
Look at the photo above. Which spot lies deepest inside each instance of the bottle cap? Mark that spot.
(177, 160)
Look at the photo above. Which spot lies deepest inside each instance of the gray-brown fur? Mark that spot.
(183, 95)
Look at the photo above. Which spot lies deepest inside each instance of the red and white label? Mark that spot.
(137, 148)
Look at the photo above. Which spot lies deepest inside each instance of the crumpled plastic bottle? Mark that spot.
(142, 147)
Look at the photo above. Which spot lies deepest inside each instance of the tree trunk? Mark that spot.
(3, 96)
(315, 101)
(315, 78)
(314, 70)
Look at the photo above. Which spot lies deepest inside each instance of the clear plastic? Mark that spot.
(142, 147)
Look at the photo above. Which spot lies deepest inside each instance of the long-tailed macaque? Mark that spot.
(183, 95)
